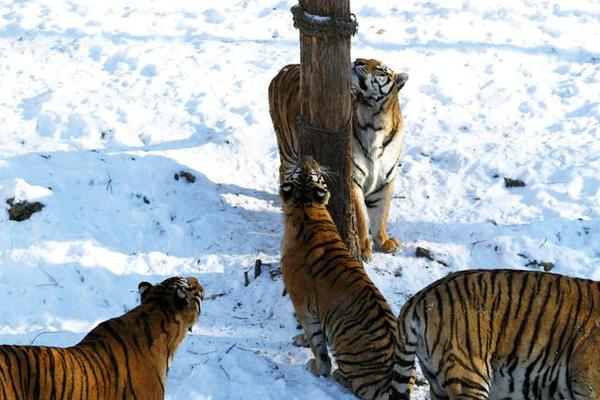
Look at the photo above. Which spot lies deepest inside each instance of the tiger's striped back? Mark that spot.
(500, 334)
(335, 301)
(122, 358)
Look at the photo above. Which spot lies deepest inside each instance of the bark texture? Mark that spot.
(325, 102)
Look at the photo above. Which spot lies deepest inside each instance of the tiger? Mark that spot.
(502, 334)
(335, 301)
(122, 358)
(376, 141)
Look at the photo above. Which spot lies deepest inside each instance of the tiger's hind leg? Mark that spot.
(584, 370)
(361, 223)
(456, 391)
(459, 378)
(461, 384)
(321, 364)
(378, 207)
(404, 371)
(435, 389)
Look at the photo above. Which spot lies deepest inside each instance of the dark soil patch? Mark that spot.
(22, 210)
(188, 176)
(510, 183)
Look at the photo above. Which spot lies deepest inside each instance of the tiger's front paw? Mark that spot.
(319, 369)
(300, 340)
(391, 245)
(365, 251)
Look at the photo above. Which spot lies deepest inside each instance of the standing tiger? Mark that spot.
(503, 334)
(122, 358)
(376, 143)
(335, 301)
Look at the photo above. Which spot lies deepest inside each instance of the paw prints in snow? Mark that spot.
(149, 70)
(244, 112)
(32, 106)
(95, 52)
(77, 126)
(213, 17)
(46, 124)
(118, 62)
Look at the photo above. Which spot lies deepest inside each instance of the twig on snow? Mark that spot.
(43, 333)
(225, 372)
(53, 281)
(230, 348)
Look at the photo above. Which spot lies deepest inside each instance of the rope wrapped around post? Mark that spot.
(316, 25)
(327, 134)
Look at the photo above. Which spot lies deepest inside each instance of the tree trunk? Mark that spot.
(325, 103)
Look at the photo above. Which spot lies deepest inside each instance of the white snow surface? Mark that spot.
(104, 102)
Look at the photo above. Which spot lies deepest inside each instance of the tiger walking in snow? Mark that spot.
(122, 358)
(502, 334)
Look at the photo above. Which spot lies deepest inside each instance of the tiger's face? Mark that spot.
(373, 81)
(304, 184)
(183, 296)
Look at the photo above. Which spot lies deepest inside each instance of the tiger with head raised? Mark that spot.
(122, 358)
(335, 301)
(502, 334)
(377, 141)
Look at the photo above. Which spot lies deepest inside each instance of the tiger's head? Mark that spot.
(181, 296)
(374, 82)
(304, 184)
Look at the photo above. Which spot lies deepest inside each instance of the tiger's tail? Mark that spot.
(284, 95)
(404, 374)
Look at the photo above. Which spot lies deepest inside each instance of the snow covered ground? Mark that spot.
(104, 103)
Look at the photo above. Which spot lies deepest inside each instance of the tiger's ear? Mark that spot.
(401, 79)
(143, 288)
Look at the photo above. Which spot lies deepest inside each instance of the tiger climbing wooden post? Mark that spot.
(325, 116)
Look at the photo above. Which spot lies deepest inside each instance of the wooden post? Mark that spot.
(326, 108)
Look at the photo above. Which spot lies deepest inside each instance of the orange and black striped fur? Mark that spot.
(335, 301)
(377, 141)
(503, 334)
(123, 358)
